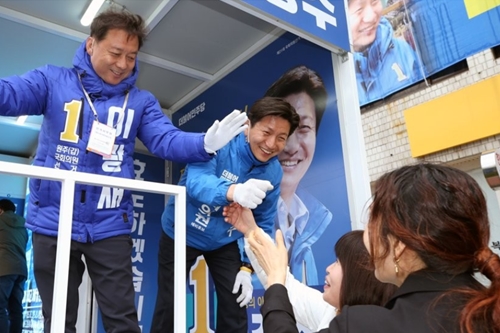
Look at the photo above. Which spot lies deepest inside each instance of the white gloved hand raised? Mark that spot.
(243, 280)
(251, 193)
(220, 133)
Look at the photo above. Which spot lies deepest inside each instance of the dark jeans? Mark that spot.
(11, 307)
(223, 263)
(110, 268)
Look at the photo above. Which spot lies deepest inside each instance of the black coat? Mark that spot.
(13, 239)
(414, 308)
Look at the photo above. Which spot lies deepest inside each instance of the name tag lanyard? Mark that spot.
(102, 137)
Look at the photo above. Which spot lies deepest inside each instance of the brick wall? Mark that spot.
(384, 127)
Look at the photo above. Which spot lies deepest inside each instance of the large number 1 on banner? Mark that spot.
(199, 280)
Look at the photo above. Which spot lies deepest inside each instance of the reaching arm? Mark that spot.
(309, 307)
(24, 95)
(277, 312)
(279, 315)
(165, 140)
(241, 218)
(273, 258)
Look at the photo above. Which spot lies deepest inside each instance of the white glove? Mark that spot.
(243, 280)
(251, 193)
(220, 133)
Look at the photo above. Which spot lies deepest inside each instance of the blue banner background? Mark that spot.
(325, 178)
(302, 19)
(439, 32)
(445, 35)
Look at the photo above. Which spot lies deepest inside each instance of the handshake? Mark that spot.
(251, 193)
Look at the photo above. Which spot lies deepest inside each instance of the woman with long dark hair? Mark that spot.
(428, 233)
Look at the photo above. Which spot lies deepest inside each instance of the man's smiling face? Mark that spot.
(297, 156)
(268, 137)
(364, 17)
(113, 58)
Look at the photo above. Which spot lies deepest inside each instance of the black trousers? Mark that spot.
(11, 307)
(110, 268)
(223, 263)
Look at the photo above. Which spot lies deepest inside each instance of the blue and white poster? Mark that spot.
(316, 20)
(397, 43)
(32, 302)
(313, 188)
(449, 31)
(384, 53)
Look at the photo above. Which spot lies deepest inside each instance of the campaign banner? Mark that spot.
(318, 21)
(32, 302)
(397, 43)
(449, 31)
(385, 57)
(312, 161)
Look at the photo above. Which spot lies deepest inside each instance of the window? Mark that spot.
(449, 71)
(496, 51)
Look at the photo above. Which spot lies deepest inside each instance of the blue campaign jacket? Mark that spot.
(206, 187)
(389, 64)
(56, 93)
(301, 254)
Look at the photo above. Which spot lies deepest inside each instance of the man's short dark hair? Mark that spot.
(6, 205)
(273, 106)
(302, 79)
(133, 24)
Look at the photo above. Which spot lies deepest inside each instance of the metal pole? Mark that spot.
(69, 179)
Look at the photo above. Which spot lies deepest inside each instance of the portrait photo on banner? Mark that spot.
(383, 46)
(312, 210)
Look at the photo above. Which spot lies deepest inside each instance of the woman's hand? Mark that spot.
(239, 217)
(272, 258)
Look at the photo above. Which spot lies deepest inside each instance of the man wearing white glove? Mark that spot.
(99, 87)
(251, 193)
(245, 171)
(244, 281)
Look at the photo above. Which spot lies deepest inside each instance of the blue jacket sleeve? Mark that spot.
(24, 95)
(165, 140)
(265, 213)
(203, 185)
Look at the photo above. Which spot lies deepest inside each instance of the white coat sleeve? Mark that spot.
(309, 308)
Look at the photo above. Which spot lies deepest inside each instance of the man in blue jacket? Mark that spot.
(383, 63)
(13, 269)
(97, 102)
(245, 171)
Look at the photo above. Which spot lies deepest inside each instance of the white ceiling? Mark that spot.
(191, 45)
